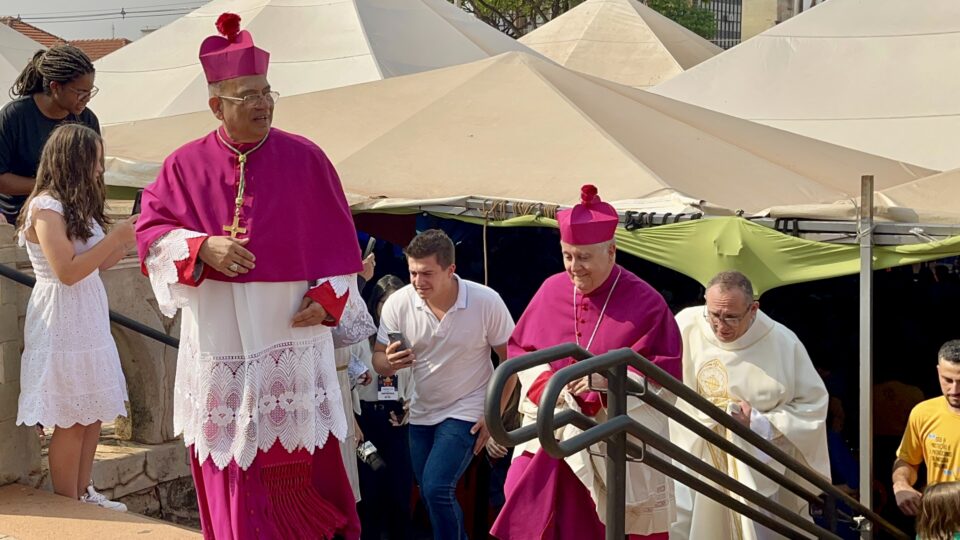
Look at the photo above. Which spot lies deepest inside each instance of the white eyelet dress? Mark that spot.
(70, 370)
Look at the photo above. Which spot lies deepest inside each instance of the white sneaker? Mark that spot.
(92, 497)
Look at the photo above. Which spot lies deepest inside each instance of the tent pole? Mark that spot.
(865, 236)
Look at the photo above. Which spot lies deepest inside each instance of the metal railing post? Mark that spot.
(122, 320)
(865, 235)
(616, 454)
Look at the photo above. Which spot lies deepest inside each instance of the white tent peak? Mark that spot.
(16, 50)
(873, 75)
(313, 44)
(518, 127)
(620, 40)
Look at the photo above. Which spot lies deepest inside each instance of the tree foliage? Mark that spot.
(518, 17)
(688, 13)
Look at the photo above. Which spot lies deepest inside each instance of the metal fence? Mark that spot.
(728, 15)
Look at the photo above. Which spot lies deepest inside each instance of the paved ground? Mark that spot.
(30, 514)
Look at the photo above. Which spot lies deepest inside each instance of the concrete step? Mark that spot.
(31, 514)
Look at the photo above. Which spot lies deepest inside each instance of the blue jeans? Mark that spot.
(440, 454)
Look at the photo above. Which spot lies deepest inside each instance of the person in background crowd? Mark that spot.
(755, 368)
(939, 516)
(443, 329)
(54, 88)
(932, 436)
(385, 507)
(351, 341)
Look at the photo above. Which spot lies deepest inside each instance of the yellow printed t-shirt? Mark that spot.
(933, 437)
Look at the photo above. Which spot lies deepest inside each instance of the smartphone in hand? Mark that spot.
(398, 337)
(136, 203)
(371, 243)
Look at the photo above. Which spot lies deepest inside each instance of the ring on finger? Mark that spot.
(234, 267)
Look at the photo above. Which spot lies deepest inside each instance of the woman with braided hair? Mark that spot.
(54, 88)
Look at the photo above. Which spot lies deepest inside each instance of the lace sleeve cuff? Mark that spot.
(172, 265)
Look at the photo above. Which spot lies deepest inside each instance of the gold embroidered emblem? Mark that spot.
(713, 383)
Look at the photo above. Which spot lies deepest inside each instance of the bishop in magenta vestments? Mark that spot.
(256, 396)
(556, 499)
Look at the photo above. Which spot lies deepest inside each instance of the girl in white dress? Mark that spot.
(70, 371)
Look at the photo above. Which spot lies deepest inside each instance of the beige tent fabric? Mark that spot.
(313, 45)
(874, 75)
(931, 200)
(622, 41)
(518, 127)
(16, 50)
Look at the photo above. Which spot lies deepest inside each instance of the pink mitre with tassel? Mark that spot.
(590, 222)
(232, 55)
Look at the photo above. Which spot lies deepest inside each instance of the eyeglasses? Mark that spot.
(727, 320)
(253, 99)
(83, 95)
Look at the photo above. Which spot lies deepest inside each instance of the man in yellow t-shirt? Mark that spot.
(932, 435)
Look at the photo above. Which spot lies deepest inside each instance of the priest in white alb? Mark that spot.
(758, 370)
(247, 230)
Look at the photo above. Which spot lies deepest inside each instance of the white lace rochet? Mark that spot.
(229, 406)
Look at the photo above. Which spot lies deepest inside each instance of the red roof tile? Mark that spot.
(40, 36)
(94, 48)
(98, 48)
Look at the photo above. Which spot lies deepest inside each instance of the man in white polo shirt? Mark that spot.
(448, 326)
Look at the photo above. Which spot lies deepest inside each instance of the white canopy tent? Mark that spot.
(517, 129)
(520, 128)
(16, 50)
(622, 41)
(931, 200)
(313, 46)
(874, 75)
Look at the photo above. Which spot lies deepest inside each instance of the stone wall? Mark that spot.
(153, 480)
(148, 365)
(19, 446)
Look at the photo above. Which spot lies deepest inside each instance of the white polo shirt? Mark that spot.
(453, 363)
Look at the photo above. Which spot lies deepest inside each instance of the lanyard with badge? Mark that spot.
(387, 388)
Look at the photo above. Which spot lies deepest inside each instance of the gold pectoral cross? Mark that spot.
(234, 229)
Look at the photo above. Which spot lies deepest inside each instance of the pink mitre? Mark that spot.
(590, 222)
(233, 55)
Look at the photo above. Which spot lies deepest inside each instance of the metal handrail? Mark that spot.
(548, 422)
(622, 423)
(122, 320)
(702, 404)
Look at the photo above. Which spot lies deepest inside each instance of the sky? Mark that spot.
(88, 19)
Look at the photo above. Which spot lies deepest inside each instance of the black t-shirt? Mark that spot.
(23, 132)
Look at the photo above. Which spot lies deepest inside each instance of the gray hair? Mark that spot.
(215, 88)
(731, 279)
(950, 351)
